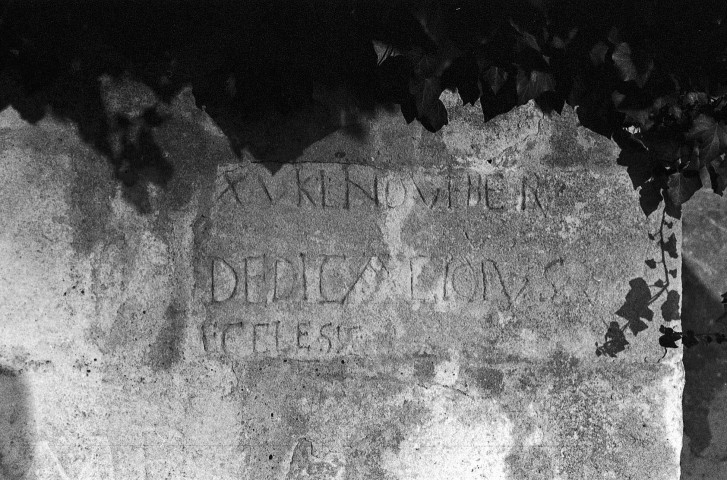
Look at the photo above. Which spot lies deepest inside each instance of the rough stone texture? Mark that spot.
(406, 306)
(704, 455)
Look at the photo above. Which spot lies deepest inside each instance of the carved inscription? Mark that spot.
(326, 260)
(262, 297)
(347, 187)
(271, 339)
(351, 279)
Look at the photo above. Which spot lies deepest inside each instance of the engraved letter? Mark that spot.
(267, 191)
(263, 341)
(494, 288)
(302, 186)
(210, 338)
(333, 189)
(464, 281)
(255, 286)
(529, 194)
(495, 192)
(258, 327)
(328, 273)
(424, 278)
(326, 337)
(349, 342)
(474, 190)
(373, 196)
(230, 329)
(232, 187)
(302, 334)
(453, 188)
(285, 280)
(224, 280)
(390, 194)
(434, 197)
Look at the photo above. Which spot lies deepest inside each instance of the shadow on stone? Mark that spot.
(704, 364)
(17, 426)
(274, 77)
(614, 341)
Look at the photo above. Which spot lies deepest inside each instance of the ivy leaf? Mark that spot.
(673, 273)
(651, 263)
(622, 59)
(696, 99)
(494, 77)
(394, 73)
(409, 109)
(494, 104)
(462, 75)
(689, 339)
(531, 41)
(718, 175)
(598, 54)
(531, 85)
(636, 305)
(650, 195)
(670, 308)
(670, 246)
(550, 101)
(669, 337)
(711, 137)
(434, 117)
(431, 112)
(629, 69)
(659, 283)
(682, 185)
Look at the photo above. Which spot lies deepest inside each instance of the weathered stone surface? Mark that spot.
(704, 275)
(409, 306)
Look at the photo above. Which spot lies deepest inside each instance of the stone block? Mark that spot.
(404, 305)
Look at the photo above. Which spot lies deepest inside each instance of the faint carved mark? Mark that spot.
(305, 465)
(231, 187)
(557, 263)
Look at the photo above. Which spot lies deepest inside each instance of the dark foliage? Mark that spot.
(278, 76)
(652, 75)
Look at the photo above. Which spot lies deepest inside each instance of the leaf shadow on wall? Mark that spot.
(17, 427)
(646, 176)
(704, 364)
(274, 76)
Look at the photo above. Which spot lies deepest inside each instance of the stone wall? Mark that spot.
(397, 305)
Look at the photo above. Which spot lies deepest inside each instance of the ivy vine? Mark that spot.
(650, 74)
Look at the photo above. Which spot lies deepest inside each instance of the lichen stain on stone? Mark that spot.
(186, 143)
(584, 421)
(532, 463)
(488, 381)
(274, 417)
(165, 351)
(90, 196)
(305, 465)
(502, 142)
(17, 425)
(62, 165)
(320, 418)
(424, 367)
(461, 437)
(366, 458)
(572, 146)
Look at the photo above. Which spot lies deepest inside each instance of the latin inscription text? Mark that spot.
(346, 187)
